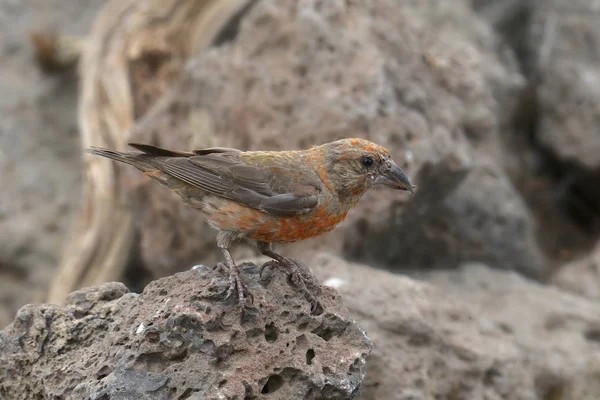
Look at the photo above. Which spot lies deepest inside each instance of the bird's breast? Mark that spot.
(257, 225)
(292, 229)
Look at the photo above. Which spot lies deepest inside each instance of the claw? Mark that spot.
(267, 265)
(314, 306)
(235, 281)
(236, 285)
(298, 281)
(221, 268)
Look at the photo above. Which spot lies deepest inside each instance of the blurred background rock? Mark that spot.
(491, 106)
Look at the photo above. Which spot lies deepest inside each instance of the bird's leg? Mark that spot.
(235, 281)
(296, 275)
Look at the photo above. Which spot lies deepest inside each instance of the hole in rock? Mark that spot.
(271, 333)
(310, 354)
(187, 393)
(327, 371)
(318, 311)
(273, 384)
(303, 326)
(103, 372)
(326, 334)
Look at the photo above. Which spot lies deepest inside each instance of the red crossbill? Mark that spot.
(269, 196)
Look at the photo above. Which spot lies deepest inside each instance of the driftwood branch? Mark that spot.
(136, 49)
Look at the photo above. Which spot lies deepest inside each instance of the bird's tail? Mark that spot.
(135, 159)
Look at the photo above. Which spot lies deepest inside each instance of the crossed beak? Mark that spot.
(395, 178)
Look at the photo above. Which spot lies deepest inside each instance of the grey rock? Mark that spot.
(459, 213)
(566, 38)
(581, 276)
(472, 333)
(552, 144)
(512, 20)
(181, 339)
(39, 154)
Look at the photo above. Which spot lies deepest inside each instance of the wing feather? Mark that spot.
(187, 172)
(224, 173)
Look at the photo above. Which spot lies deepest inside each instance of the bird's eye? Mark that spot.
(366, 161)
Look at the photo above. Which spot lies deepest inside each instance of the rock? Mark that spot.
(557, 46)
(551, 138)
(472, 333)
(459, 213)
(297, 74)
(568, 67)
(181, 339)
(39, 154)
(581, 276)
(567, 37)
(512, 20)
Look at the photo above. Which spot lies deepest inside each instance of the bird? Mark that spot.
(269, 196)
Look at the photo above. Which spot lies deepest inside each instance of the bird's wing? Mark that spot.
(159, 151)
(273, 187)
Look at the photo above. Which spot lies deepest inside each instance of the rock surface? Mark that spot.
(473, 333)
(568, 94)
(581, 276)
(554, 156)
(179, 339)
(461, 213)
(567, 37)
(39, 153)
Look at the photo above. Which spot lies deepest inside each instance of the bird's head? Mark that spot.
(355, 165)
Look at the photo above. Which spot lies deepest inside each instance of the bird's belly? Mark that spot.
(257, 225)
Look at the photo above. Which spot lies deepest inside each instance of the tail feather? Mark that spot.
(127, 158)
(159, 151)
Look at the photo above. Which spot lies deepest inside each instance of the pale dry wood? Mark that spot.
(115, 92)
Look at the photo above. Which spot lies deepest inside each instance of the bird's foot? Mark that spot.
(299, 277)
(237, 285)
(267, 266)
(299, 281)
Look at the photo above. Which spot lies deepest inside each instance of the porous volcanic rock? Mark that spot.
(180, 339)
(472, 333)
